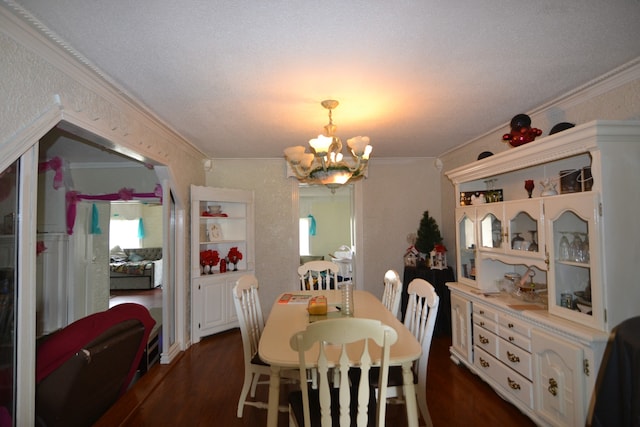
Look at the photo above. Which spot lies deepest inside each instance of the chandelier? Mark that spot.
(324, 164)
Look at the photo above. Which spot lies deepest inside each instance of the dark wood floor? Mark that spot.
(201, 388)
(150, 298)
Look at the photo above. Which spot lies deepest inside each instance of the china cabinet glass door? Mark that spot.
(573, 258)
(466, 231)
(491, 226)
(524, 228)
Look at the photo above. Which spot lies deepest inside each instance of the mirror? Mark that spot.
(327, 225)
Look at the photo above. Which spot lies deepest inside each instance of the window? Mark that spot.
(305, 244)
(124, 233)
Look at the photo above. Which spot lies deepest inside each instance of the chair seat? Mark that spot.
(395, 376)
(295, 404)
(255, 360)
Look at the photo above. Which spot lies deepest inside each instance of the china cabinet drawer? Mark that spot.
(515, 385)
(515, 358)
(486, 363)
(486, 341)
(515, 332)
(515, 339)
(508, 324)
(480, 310)
(487, 324)
(512, 384)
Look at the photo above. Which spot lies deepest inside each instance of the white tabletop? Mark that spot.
(287, 319)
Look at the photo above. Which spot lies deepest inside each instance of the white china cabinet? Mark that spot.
(540, 344)
(221, 219)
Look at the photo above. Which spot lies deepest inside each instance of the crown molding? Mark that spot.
(607, 82)
(20, 25)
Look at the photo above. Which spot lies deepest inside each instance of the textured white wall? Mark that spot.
(395, 195)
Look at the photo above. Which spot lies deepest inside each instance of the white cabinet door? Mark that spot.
(573, 236)
(523, 219)
(491, 228)
(461, 328)
(215, 310)
(212, 310)
(559, 386)
(466, 237)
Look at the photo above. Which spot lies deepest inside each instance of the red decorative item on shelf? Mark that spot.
(208, 259)
(521, 131)
(234, 256)
(529, 186)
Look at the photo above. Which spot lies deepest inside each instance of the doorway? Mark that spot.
(90, 169)
(328, 226)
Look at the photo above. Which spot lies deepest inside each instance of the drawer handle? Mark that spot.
(553, 387)
(484, 363)
(481, 311)
(512, 357)
(585, 367)
(512, 339)
(483, 340)
(481, 323)
(514, 385)
(510, 325)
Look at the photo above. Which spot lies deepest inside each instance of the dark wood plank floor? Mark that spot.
(201, 388)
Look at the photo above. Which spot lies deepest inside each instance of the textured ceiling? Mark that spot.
(245, 78)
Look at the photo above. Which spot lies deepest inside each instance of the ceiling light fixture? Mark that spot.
(324, 165)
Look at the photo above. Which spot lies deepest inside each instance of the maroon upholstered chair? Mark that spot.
(82, 369)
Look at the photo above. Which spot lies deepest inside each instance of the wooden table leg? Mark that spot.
(274, 397)
(410, 395)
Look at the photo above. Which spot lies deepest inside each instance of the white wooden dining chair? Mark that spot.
(392, 294)
(318, 275)
(249, 311)
(420, 319)
(347, 403)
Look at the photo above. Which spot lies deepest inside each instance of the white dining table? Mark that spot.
(287, 319)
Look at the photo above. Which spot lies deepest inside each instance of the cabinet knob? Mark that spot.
(481, 323)
(553, 387)
(510, 325)
(512, 384)
(481, 311)
(483, 340)
(512, 357)
(484, 363)
(512, 339)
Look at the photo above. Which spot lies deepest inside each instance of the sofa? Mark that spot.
(136, 268)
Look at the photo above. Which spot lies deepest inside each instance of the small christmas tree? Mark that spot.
(428, 234)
